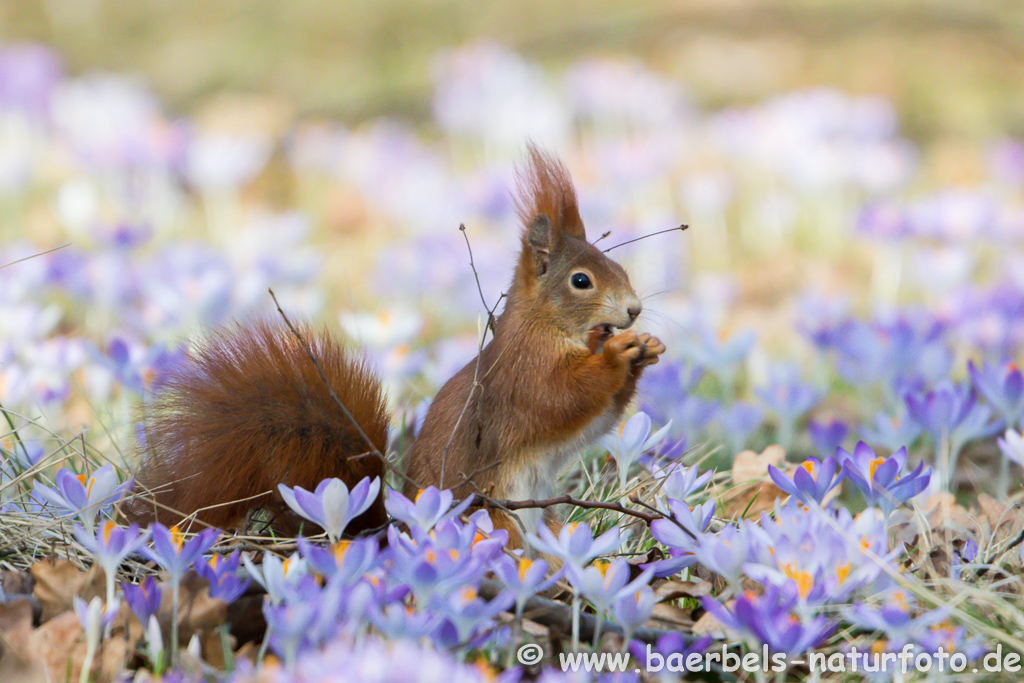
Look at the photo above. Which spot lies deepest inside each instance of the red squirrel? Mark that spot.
(251, 411)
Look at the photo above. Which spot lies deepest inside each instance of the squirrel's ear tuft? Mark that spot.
(545, 189)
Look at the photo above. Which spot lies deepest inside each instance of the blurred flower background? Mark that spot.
(850, 172)
(850, 286)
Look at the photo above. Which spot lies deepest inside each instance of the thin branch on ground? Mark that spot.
(566, 499)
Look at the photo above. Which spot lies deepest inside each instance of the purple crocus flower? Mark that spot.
(881, 480)
(719, 354)
(331, 505)
(429, 569)
(738, 422)
(465, 615)
(681, 534)
(524, 578)
(941, 410)
(221, 572)
(811, 482)
(946, 637)
(631, 440)
(95, 617)
(96, 622)
(143, 598)
(173, 553)
(141, 369)
(397, 622)
(282, 579)
(895, 617)
(109, 546)
(891, 433)
(725, 552)
(28, 75)
(681, 484)
(827, 437)
(349, 560)
(769, 619)
(1011, 444)
(788, 398)
(662, 387)
(428, 508)
(288, 626)
(605, 582)
(575, 543)
(77, 494)
(632, 610)
(1003, 387)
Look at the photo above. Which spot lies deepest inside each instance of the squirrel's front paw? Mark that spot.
(652, 348)
(624, 348)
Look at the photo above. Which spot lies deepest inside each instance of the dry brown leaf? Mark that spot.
(1008, 519)
(250, 650)
(707, 625)
(16, 582)
(671, 616)
(750, 500)
(945, 513)
(61, 642)
(673, 590)
(113, 657)
(198, 611)
(15, 615)
(750, 466)
(18, 662)
(213, 648)
(58, 581)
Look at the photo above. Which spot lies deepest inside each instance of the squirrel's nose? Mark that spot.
(634, 311)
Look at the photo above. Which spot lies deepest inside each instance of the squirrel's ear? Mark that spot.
(545, 190)
(538, 240)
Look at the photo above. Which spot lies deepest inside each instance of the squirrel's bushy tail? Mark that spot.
(249, 411)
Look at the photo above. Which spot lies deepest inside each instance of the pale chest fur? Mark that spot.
(538, 476)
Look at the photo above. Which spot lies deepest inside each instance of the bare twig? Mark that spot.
(355, 423)
(671, 518)
(476, 277)
(558, 617)
(684, 226)
(323, 376)
(570, 500)
(468, 478)
(490, 325)
(1001, 553)
(42, 253)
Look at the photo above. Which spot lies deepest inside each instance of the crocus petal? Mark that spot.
(310, 506)
(635, 431)
(289, 498)
(334, 502)
(363, 496)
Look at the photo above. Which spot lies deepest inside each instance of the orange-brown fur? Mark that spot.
(249, 411)
(545, 378)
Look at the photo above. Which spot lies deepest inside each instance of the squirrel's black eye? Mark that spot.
(581, 281)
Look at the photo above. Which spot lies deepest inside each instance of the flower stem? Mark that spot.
(90, 654)
(174, 622)
(1004, 478)
(575, 621)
